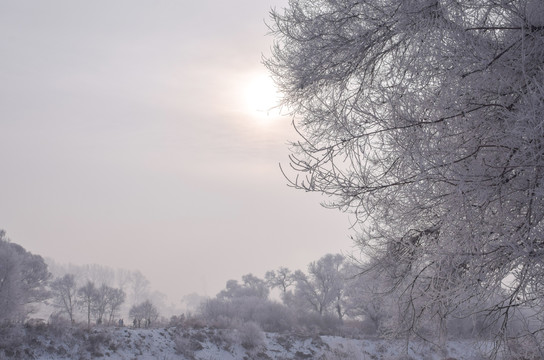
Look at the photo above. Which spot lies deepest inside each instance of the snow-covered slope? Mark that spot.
(207, 344)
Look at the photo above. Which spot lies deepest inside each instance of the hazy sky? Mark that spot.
(130, 138)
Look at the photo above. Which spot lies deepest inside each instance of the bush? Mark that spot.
(251, 336)
(177, 321)
(193, 322)
(58, 325)
(183, 347)
(274, 317)
(97, 341)
(215, 308)
(221, 322)
(11, 339)
(311, 323)
(271, 316)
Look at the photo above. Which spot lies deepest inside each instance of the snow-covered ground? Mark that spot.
(208, 344)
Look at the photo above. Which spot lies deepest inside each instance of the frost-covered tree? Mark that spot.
(87, 299)
(425, 120)
(322, 288)
(138, 286)
(64, 291)
(133, 284)
(107, 302)
(251, 286)
(283, 279)
(247, 301)
(23, 280)
(144, 311)
(367, 297)
(116, 297)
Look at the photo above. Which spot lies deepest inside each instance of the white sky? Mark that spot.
(129, 138)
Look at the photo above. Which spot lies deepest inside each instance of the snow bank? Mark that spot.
(209, 343)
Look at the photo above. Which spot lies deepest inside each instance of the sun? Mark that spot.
(261, 97)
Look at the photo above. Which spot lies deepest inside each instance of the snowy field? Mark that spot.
(207, 343)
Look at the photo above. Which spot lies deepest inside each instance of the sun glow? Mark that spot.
(261, 97)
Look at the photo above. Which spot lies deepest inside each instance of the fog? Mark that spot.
(133, 137)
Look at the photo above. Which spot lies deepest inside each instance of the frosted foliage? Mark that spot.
(322, 289)
(9, 278)
(250, 335)
(424, 119)
(251, 286)
(23, 279)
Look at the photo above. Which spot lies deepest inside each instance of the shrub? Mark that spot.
(11, 339)
(251, 336)
(183, 347)
(58, 325)
(96, 342)
(271, 316)
(310, 324)
(221, 322)
(193, 322)
(177, 321)
(274, 317)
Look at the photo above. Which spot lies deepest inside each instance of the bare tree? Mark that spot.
(65, 294)
(116, 298)
(139, 286)
(100, 304)
(423, 119)
(97, 274)
(322, 289)
(106, 303)
(282, 278)
(133, 284)
(88, 295)
(145, 311)
(367, 297)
